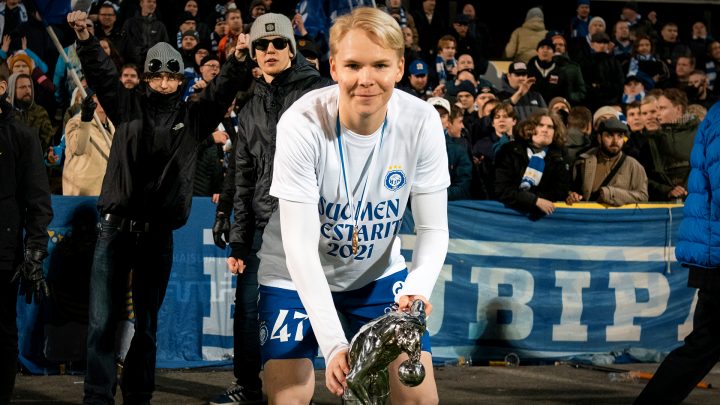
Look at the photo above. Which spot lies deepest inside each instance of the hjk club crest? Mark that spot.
(395, 178)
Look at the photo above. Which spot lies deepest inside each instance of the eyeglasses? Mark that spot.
(155, 65)
(263, 43)
(212, 66)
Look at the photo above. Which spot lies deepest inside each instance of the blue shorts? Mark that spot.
(285, 331)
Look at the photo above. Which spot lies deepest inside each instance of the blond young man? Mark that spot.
(350, 158)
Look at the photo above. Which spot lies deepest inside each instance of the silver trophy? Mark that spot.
(379, 343)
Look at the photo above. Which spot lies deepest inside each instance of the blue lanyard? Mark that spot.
(376, 152)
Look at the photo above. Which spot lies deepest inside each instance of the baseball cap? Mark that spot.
(484, 86)
(518, 68)
(439, 102)
(613, 125)
(418, 67)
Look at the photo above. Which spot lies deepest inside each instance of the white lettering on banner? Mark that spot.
(572, 284)
(687, 326)
(490, 303)
(627, 308)
(222, 295)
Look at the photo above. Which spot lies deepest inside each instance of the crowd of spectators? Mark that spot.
(600, 109)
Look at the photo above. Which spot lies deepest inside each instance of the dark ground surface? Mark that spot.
(456, 385)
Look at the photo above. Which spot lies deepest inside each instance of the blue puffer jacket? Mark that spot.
(699, 239)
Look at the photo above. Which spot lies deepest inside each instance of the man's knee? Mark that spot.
(289, 381)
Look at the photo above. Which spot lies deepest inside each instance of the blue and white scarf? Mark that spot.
(635, 62)
(533, 173)
(442, 67)
(627, 99)
(711, 71)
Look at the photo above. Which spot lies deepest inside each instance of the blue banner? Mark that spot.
(581, 281)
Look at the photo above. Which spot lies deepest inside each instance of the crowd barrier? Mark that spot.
(580, 281)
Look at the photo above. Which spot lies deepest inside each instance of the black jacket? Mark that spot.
(208, 170)
(604, 80)
(255, 149)
(150, 173)
(24, 191)
(141, 33)
(510, 164)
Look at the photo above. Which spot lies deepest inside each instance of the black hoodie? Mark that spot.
(151, 168)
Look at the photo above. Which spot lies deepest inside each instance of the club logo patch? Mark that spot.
(270, 27)
(395, 178)
(263, 333)
(397, 287)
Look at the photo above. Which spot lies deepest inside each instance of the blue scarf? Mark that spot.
(635, 61)
(533, 173)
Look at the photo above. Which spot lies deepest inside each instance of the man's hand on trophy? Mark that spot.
(336, 371)
(405, 302)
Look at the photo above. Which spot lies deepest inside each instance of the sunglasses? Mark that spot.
(263, 43)
(172, 65)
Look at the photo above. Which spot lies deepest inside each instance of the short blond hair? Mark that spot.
(379, 25)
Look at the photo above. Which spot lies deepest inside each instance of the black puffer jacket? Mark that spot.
(24, 190)
(152, 161)
(255, 149)
(510, 164)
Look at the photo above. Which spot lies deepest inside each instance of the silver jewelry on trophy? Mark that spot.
(379, 343)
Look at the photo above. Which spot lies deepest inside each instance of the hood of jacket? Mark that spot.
(534, 24)
(11, 90)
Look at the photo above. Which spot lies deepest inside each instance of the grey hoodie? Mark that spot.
(11, 89)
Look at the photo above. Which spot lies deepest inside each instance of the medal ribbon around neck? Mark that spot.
(351, 198)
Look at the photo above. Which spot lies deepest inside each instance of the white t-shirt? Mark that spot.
(411, 159)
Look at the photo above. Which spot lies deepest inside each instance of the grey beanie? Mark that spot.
(163, 52)
(270, 24)
(535, 12)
